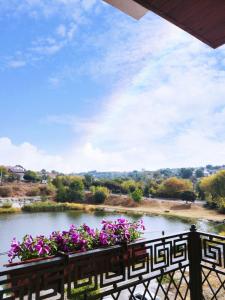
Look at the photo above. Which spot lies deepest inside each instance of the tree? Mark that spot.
(130, 186)
(100, 194)
(3, 173)
(76, 190)
(188, 196)
(137, 195)
(186, 173)
(199, 173)
(69, 188)
(31, 176)
(88, 180)
(173, 187)
(214, 188)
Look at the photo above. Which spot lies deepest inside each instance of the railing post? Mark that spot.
(194, 254)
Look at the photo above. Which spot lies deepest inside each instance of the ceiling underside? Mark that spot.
(204, 19)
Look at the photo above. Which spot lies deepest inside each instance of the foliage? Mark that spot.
(33, 192)
(47, 190)
(186, 173)
(69, 188)
(173, 187)
(6, 204)
(100, 194)
(31, 176)
(137, 195)
(80, 238)
(45, 206)
(188, 196)
(88, 180)
(199, 173)
(88, 289)
(5, 191)
(214, 189)
(130, 186)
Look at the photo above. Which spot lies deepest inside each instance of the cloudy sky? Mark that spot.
(83, 87)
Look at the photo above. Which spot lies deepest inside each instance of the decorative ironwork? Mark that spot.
(213, 266)
(170, 267)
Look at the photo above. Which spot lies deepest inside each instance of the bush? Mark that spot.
(100, 194)
(47, 190)
(89, 290)
(5, 191)
(221, 205)
(188, 196)
(173, 187)
(137, 195)
(33, 192)
(69, 189)
(31, 176)
(6, 204)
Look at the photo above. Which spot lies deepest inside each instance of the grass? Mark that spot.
(50, 206)
(89, 289)
(9, 210)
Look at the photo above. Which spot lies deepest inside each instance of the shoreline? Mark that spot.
(185, 212)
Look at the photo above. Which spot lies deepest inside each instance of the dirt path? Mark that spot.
(170, 208)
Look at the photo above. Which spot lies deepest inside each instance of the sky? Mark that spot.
(85, 87)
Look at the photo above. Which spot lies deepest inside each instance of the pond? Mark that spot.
(17, 225)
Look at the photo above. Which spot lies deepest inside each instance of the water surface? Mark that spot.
(17, 225)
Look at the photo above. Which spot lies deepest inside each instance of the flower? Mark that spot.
(81, 238)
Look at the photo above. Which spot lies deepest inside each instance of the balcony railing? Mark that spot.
(188, 265)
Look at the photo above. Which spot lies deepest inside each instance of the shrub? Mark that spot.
(221, 205)
(188, 196)
(173, 187)
(6, 204)
(31, 176)
(5, 191)
(137, 195)
(69, 189)
(33, 192)
(89, 290)
(47, 190)
(100, 194)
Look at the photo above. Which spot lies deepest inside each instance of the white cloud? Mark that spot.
(167, 108)
(15, 64)
(27, 155)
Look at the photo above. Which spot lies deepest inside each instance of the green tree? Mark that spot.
(186, 173)
(31, 176)
(137, 195)
(69, 188)
(173, 187)
(100, 194)
(88, 180)
(188, 196)
(3, 174)
(199, 173)
(214, 189)
(130, 186)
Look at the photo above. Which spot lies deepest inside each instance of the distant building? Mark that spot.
(18, 171)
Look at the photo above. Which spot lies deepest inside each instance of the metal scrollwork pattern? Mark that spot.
(157, 269)
(213, 266)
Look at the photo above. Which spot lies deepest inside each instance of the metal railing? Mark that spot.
(188, 265)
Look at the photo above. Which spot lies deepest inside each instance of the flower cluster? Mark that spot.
(80, 238)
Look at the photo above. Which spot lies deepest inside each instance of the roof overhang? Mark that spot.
(204, 19)
(129, 7)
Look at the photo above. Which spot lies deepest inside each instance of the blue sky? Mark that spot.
(83, 86)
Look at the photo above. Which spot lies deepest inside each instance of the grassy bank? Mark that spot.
(169, 209)
(49, 206)
(9, 210)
